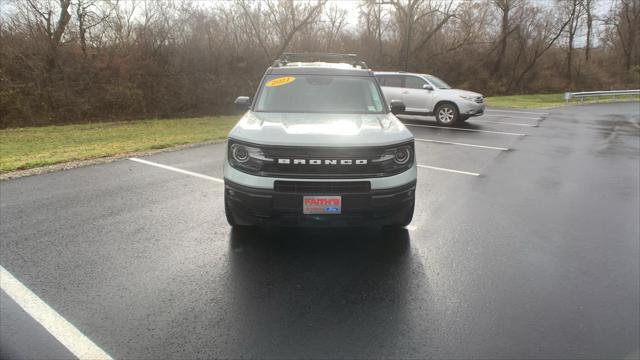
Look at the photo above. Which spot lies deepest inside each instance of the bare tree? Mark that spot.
(544, 36)
(466, 28)
(255, 16)
(51, 25)
(434, 14)
(625, 18)
(121, 22)
(375, 16)
(336, 19)
(588, 9)
(506, 29)
(573, 10)
(90, 14)
(289, 17)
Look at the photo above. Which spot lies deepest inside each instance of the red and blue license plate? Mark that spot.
(322, 204)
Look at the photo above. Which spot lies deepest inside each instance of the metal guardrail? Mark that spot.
(570, 95)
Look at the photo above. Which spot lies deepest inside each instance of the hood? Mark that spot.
(310, 129)
(458, 92)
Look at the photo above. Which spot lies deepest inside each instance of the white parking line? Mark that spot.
(166, 167)
(463, 129)
(67, 334)
(463, 144)
(448, 170)
(518, 112)
(513, 117)
(505, 123)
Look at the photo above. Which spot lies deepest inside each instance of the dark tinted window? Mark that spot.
(412, 82)
(319, 94)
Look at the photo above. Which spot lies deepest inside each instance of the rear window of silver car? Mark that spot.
(319, 94)
(437, 82)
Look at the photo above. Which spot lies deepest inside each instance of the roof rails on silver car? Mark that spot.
(351, 59)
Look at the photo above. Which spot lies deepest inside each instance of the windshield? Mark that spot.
(319, 94)
(437, 82)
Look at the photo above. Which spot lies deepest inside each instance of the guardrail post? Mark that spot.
(567, 96)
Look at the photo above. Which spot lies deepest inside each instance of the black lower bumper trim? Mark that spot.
(251, 206)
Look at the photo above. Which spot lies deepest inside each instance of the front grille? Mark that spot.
(479, 100)
(322, 187)
(326, 171)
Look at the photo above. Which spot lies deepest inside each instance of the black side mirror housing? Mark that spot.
(242, 103)
(427, 87)
(397, 107)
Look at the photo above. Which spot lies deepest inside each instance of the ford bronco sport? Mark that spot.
(319, 146)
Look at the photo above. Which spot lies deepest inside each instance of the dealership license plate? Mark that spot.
(322, 204)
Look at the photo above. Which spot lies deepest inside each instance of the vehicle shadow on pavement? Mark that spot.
(324, 293)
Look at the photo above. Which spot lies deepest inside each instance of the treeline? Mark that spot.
(91, 60)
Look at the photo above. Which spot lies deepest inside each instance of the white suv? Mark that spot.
(425, 94)
(319, 146)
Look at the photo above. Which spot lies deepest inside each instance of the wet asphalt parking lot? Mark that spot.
(525, 244)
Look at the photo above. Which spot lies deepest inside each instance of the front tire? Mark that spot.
(231, 219)
(227, 212)
(407, 215)
(447, 114)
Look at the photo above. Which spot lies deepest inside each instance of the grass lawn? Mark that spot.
(541, 101)
(24, 148)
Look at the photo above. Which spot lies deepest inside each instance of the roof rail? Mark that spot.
(351, 59)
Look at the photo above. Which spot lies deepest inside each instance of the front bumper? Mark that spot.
(255, 206)
(471, 108)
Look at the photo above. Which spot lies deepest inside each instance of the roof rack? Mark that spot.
(351, 59)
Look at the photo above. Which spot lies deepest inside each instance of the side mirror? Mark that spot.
(242, 103)
(427, 87)
(397, 107)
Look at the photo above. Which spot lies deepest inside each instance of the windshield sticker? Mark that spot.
(280, 81)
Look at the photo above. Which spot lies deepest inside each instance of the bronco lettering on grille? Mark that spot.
(323, 162)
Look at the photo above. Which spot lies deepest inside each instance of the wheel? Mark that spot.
(405, 218)
(447, 114)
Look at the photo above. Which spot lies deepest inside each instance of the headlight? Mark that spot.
(396, 159)
(246, 157)
(468, 98)
(240, 153)
(402, 155)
